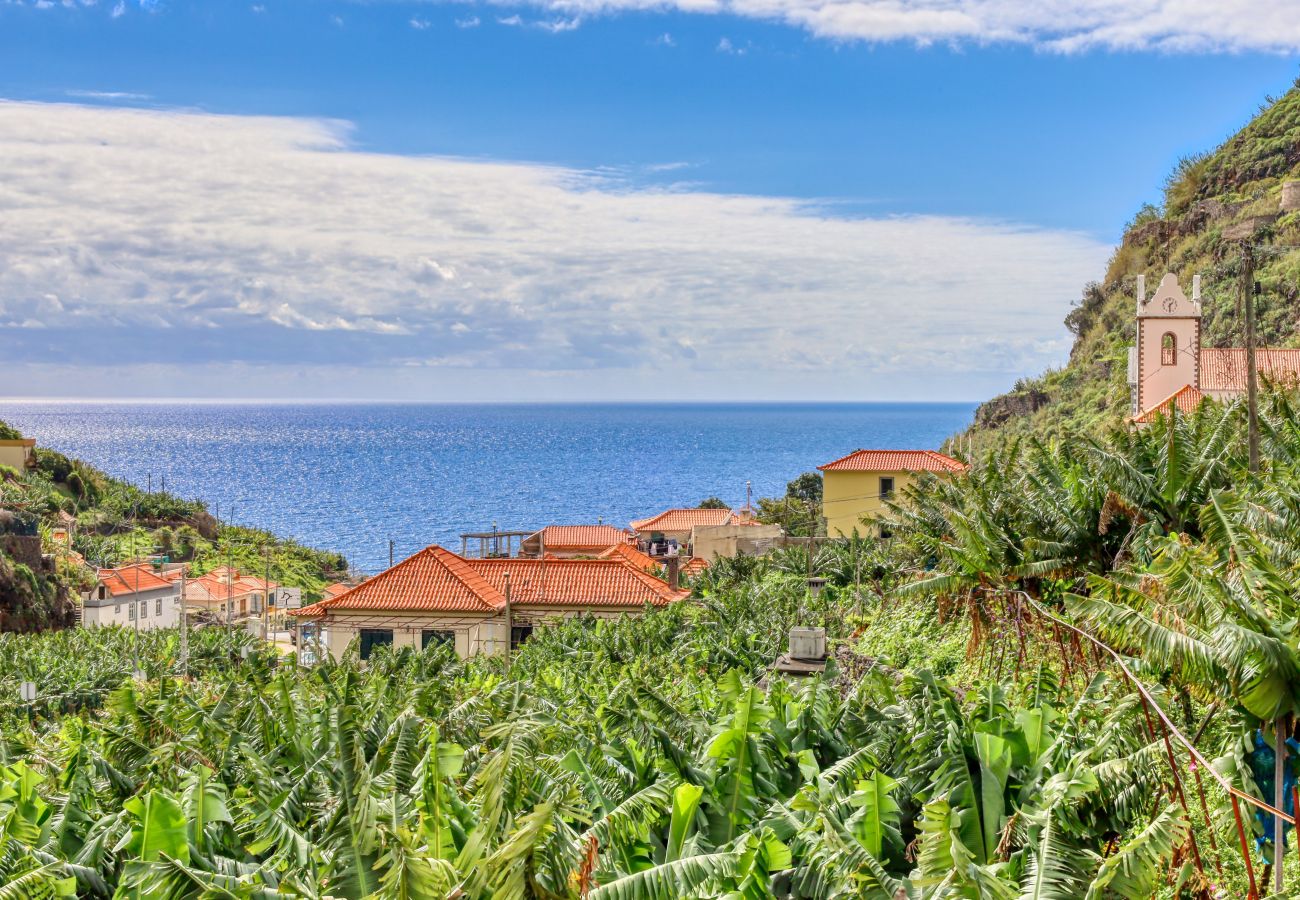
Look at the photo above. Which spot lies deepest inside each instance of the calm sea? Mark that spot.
(348, 477)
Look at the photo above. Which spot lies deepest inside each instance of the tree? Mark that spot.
(713, 503)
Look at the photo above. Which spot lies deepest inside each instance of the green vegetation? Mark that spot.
(960, 745)
(799, 512)
(1204, 196)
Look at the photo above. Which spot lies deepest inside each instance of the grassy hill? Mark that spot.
(1205, 197)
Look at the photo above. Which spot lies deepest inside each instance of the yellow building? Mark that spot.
(856, 486)
(18, 453)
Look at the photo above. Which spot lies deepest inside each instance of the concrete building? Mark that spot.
(1168, 367)
(18, 453)
(131, 596)
(573, 541)
(225, 592)
(855, 487)
(479, 605)
(672, 529)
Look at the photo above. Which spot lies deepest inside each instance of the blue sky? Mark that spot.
(956, 179)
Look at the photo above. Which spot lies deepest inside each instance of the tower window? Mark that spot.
(1168, 349)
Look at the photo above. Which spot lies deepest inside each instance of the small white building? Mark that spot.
(131, 596)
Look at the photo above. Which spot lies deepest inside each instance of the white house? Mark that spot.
(131, 596)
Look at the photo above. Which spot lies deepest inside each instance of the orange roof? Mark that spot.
(697, 565)
(333, 590)
(1224, 369)
(576, 582)
(632, 556)
(131, 579)
(686, 519)
(437, 579)
(433, 579)
(1185, 400)
(581, 537)
(895, 461)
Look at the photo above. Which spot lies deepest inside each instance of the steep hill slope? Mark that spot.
(1238, 184)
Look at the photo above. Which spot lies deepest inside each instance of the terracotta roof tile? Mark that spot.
(686, 519)
(1186, 399)
(631, 555)
(581, 537)
(894, 461)
(433, 579)
(1224, 369)
(576, 582)
(131, 579)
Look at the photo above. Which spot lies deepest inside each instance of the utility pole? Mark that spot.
(1249, 292)
(185, 633)
(266, 597)
(390, 553)
(510, 623)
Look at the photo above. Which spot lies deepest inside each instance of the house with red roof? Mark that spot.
(131, 596)
(856, 487)
(479, 605)
(1168, 368)
(573, 541)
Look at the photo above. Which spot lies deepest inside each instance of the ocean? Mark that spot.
(350, 477)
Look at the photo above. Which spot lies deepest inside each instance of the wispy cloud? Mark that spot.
(513, 21)
(468, 22)
(119, 9)
(664, 40)
(108, 95)
(142, 239)
(1061, 26)
(420, 24)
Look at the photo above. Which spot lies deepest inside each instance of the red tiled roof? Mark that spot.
(433, 579)
(697, 565)
(894, 461)
(686, 519)
(130, 579)
(632, 556)
(576, 582)
(1185, 400)
(333, 590)
(1224, 369)
(437, 579)
(581, 537)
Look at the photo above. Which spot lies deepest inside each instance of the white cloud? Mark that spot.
(116, 96)
(514, 21)
(468, 22)
(664, 40)
(420, 24)
(119, 10)
(1064, 26)
(227, 245)
(558, 26)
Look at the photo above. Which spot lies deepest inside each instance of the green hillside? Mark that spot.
(1206, 197)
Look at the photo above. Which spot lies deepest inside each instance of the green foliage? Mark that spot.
(799, 511)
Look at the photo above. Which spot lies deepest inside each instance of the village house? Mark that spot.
(671, 531)
(1169, 369)
(132, 596)
(18, 453)
(856, 487)
(225, 592)
(479, 605)
(573, 541)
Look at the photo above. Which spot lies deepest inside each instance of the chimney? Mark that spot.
(1141, 292)
(674, 563)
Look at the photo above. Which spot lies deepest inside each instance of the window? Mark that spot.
(144, 609)
(157, 607)
(130, 611)
(375, 637)
(117, 609)
(886, 487)
(1168, 349)
(432, 636)
(519, 635)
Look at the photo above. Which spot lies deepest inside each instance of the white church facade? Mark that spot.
(1168, 367)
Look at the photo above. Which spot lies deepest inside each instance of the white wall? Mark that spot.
(98, 613)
